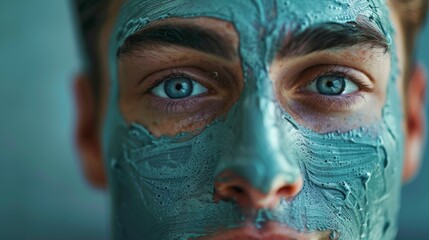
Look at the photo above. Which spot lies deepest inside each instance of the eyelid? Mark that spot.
(159, 89)
(331, 104)
(309, 75)
(175, 74)
(349, 88)
(194, 74)
(334, 103)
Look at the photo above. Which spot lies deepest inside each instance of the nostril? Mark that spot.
(230, 191)
(237, 190)
(231, 187)
(286, 191)
(290, 190)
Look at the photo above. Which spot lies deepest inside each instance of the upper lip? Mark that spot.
(270, 231)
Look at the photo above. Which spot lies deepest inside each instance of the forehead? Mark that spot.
(261, 25)
(251, 18)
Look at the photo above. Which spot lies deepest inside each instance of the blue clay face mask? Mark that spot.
(315, 125)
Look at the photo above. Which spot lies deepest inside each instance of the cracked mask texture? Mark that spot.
(162, 188)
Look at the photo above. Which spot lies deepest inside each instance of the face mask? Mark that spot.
(163, 187)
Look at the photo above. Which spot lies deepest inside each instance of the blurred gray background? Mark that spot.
(43, 194)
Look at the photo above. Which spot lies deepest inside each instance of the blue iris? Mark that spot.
(330, 85)
(179, 87)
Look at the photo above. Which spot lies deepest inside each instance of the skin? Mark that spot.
(289, 184)
(171, 123)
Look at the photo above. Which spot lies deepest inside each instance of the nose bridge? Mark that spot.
(260, 155)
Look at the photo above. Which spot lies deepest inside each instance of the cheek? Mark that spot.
(172, 179)
(354, 177)
(333, 159)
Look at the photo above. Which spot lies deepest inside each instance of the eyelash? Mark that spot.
(173, 74)
(340, 102)
(345, 74)
(171, 105)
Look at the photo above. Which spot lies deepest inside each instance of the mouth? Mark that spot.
(270, 231)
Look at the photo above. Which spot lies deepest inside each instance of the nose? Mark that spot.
(259, 167)
(231, 187)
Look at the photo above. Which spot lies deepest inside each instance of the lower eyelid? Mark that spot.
(179, 106)
(169, 106)
(329, 104)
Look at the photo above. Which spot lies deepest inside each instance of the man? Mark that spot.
(254, 119)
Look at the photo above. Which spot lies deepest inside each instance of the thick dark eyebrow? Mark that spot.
(332, 35)
(192, 37)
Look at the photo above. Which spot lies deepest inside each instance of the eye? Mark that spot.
(178, 87)
(332, 85)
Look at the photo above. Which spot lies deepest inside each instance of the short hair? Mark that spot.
(412, 14)
(91, 14)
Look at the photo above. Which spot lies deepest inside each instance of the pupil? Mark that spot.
(331, 85)
(179, 87)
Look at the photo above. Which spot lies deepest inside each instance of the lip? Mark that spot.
(270, 231)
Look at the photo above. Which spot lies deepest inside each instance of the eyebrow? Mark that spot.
(324, 36)
(332, 35)
(191, 37)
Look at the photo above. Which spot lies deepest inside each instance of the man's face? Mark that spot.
(253, 119)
